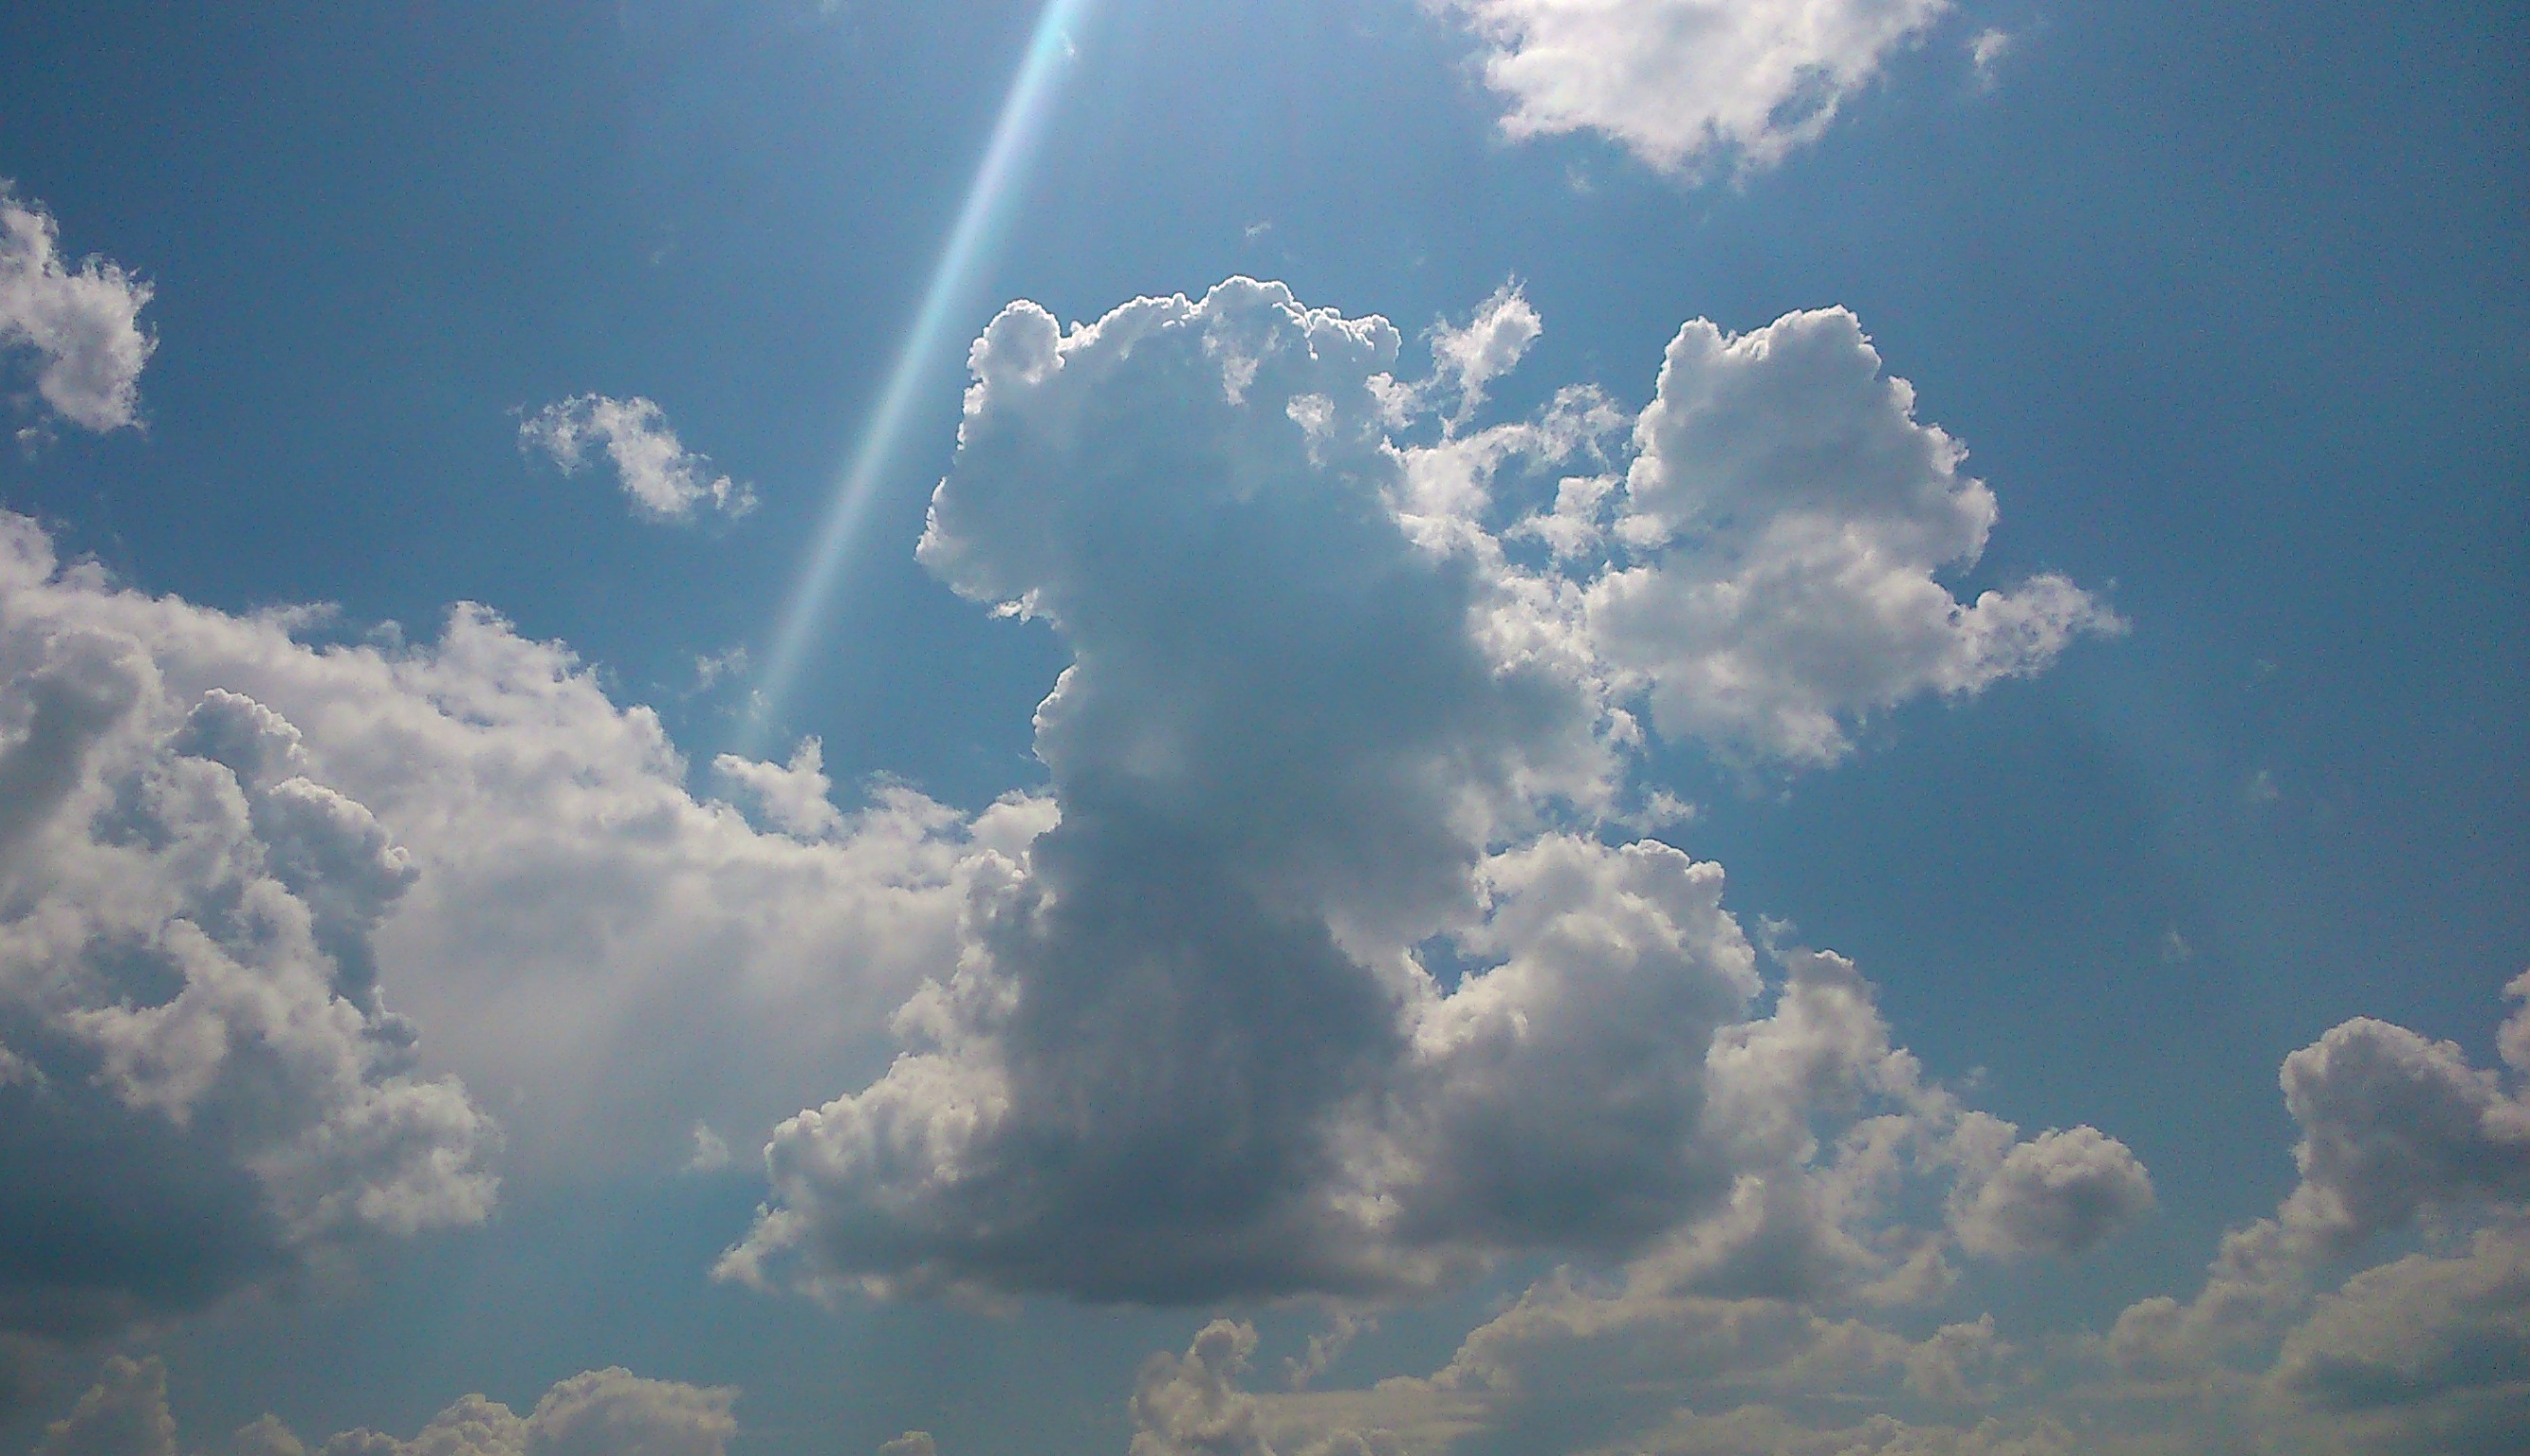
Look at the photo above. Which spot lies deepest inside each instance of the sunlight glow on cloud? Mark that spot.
(1686, 84)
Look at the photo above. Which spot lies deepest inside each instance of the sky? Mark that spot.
(1410, 727)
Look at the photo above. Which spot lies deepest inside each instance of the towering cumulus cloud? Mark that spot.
(78, 326)
(1682, 82)
(1325, 977)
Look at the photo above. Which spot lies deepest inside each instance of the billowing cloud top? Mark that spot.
(1681, 83)
(81, 324)
(1322, 980)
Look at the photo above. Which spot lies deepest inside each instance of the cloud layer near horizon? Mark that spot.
(608, 1412)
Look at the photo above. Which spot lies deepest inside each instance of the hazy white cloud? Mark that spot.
(1684, 84)
(912, 1443)
(81, 324)
(579, 936)
(795, 798)
(597, 1413)
(665, 480)
(1790, 519)
(1986, 51)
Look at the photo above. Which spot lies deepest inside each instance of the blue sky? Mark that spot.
(1325, 958)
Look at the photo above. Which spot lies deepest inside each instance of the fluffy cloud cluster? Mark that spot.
(475, 827)
(199, 1083)
(1321, 978)
(1789, 518)
(2285, 1349)
(1683, 82)
(597, 1413)
(665, 481)
(81, 324)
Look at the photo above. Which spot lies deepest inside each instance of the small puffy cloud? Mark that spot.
(80, 325)
(912, 1443)
(1790, 519)
(797, 797)
(1986, 51)
(665, 481)
(2059, 1193)
(1469, 356)
(597, 1413)
(1682, 83)
(1191, 1405)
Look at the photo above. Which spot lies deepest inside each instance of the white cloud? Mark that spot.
(2427, 1352)
(597, 1413)
(1685, 82)
(81, 324)
(1469, 356)
(2059, 1193)
(797, 797)
(665, 480)
(1790, 520)
(602, 956)
(1315, 720)
(1986, 51)
(208, 1087)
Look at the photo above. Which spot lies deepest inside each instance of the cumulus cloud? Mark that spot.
(80, 325)
(1469, 356)
(206, 1085)
(664, 480)
(2059, 1193)
(1313, 984)
(473, 827)
(1790, 520)
(2426, 1351)
(1683, 83)
(597, 1413)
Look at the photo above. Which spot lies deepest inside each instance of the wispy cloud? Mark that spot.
(665, 481)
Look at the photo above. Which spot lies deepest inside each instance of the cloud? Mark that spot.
(2059, 1193)
(1314, 983)
(1789, 518)
(511, 858)
(795, 798)
(597, 1413)
(81, 324)
(912, 1443)
(1469, 356)
(1684, 83)
(665, 481)
(124, 1414)
(2287, 1348)
(1986, 51)
(205, 1086)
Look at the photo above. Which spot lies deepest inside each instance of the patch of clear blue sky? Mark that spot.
(2224, 299)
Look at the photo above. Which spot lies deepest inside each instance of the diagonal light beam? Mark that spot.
(970, 250)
